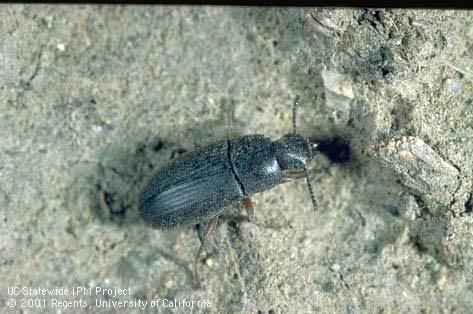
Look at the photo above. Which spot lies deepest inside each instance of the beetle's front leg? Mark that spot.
(293, 175)
(250, 210)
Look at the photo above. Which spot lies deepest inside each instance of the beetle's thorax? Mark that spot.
(292, 151)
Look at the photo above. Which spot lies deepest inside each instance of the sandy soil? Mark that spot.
(93, 99)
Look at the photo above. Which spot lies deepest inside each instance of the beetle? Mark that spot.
(200, 185)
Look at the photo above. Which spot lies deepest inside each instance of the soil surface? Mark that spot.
(94, 99)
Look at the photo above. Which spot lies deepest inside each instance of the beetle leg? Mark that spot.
(293, 175)
(250, 210)
(209, 230)
(178, 151)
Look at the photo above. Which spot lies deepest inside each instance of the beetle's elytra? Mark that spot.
(198, 186)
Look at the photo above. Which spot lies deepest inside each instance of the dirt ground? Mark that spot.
(93, 99)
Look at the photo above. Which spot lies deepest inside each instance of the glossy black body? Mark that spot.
(200, 185)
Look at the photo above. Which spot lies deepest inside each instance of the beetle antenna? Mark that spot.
(294, 112)
(311, 190)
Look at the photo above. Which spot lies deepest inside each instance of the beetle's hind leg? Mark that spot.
(250, 209)
(178, 152)
(209, 230)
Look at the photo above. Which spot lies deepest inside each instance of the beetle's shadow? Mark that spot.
(124, 169)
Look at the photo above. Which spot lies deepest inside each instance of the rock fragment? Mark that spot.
(338, 90)
(420, 168)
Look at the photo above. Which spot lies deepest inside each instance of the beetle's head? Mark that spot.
(293, 152)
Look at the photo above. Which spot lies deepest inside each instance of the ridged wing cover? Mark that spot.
(194, 187)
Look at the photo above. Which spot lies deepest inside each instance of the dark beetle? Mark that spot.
(202, 184)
